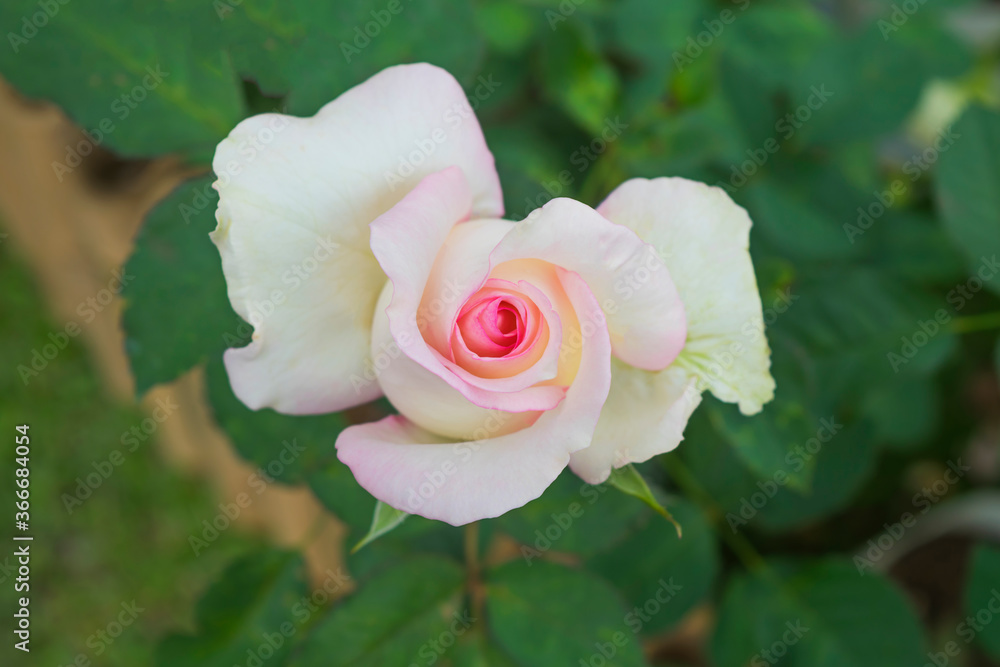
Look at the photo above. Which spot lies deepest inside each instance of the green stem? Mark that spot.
(973, 323)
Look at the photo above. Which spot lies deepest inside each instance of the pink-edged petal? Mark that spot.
(704, 238)
(645, 415)
(408, 242)
(296, 196)
(433, 403)
(644, 312)
(459, 482)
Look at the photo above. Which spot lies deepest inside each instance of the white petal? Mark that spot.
(291, 187)
(703, 237)
(645, 415)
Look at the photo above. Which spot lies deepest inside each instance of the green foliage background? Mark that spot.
(813, 115)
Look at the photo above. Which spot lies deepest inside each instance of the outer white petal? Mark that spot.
(703, 237)
(296, 198)
(645, 415)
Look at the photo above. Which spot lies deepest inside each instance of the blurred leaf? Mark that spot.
(263, 39)
(765, 441)
(982, 591)
(135, 74)
(286, 448)
(793, 222)
(762, 54)
(475, 650)
(645, 564)
(392, 619)
(904, 410)
(825, 614)
(569, 516)
(545, 614)
(918, 248)
(576, 77)
(176, 312)
(966, 186)
(348, 42)
(251, 606)
(745, 500)
(652, 30)
(874, 80)
(334, 486)
(507, 25)
(384, 519)
(628, 480)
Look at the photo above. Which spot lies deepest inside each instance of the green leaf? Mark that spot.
(334, 486)
(569, 515)
(176, 312)
(286, 448)
(578, 79)
(823, 614)
(347, 42)
(745, 500)
(982, 591)
(507, 25)
(384, 519)
(645, 564)
(904, 411)
(653, 30)
(475, 650)
(249, 607)
(795, 224)
(544, 614)
(628, 480)
(136, 73)
(392, 619)
(873, 83)
(965, 187)
(762, 54)
(766, 441)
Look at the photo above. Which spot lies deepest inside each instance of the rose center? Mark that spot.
(494, 325)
